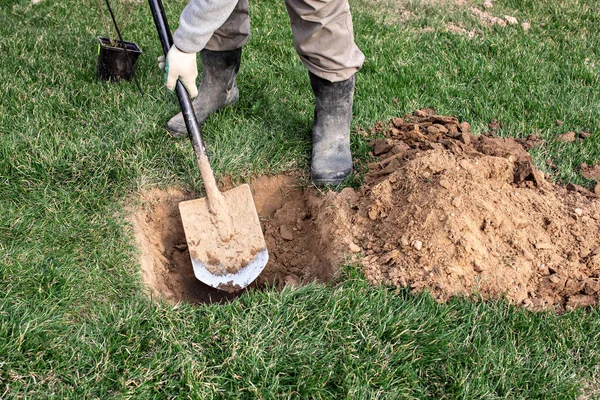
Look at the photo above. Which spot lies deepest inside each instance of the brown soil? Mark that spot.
(487, 18)
(292, 219)
(439, 211)
(454, 214)
(459, 30)
(296, 230)
(164, 256)
(590, 172)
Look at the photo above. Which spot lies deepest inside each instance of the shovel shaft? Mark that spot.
(195, 134)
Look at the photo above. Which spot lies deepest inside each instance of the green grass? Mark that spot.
(74, 321)
(351, 341)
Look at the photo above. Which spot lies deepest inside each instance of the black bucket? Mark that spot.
(114, 63)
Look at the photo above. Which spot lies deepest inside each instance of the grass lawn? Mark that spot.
(74, 318)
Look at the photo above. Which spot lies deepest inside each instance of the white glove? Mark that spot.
(180, 65)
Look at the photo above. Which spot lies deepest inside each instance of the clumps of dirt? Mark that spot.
(453, 214)
(487, 18)
(459, 30)
(590, 171)
(490, 20)
(295, 229)
(567, 137)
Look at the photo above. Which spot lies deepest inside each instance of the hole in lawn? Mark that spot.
(292, 221)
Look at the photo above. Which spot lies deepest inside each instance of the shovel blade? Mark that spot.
(227, 265)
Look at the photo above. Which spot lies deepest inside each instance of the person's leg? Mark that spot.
(324, 40)
(220, 63)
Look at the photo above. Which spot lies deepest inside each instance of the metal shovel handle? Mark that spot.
(191, 123)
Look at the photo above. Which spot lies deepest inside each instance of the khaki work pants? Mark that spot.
(322, 31)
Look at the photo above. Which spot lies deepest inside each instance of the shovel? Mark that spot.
(224, 237)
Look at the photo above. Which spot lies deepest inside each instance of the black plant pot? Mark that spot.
(114, 63)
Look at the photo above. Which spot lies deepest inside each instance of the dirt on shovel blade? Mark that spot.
(202, 228)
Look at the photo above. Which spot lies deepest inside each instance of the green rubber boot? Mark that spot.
(218, 87)
(331, 157)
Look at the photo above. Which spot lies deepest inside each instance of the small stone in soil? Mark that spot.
(286, 233)
(353, 248)
(511, 20)
(404, 241)
(597, 189)
(373, 214)
(579, 212)
(417, 244)
(487, 5)
(381, 146)
(543, 246)
(445, 183)
(584, 253)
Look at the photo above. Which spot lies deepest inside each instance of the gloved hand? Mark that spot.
(180, 65)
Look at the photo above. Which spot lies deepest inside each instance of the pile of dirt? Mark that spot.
(454, 214)
(439, 211)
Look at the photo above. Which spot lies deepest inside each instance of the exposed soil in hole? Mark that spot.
(294, 229)
(440, 210)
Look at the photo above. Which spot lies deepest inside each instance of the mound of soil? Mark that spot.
(440, 210)
(454, 214)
